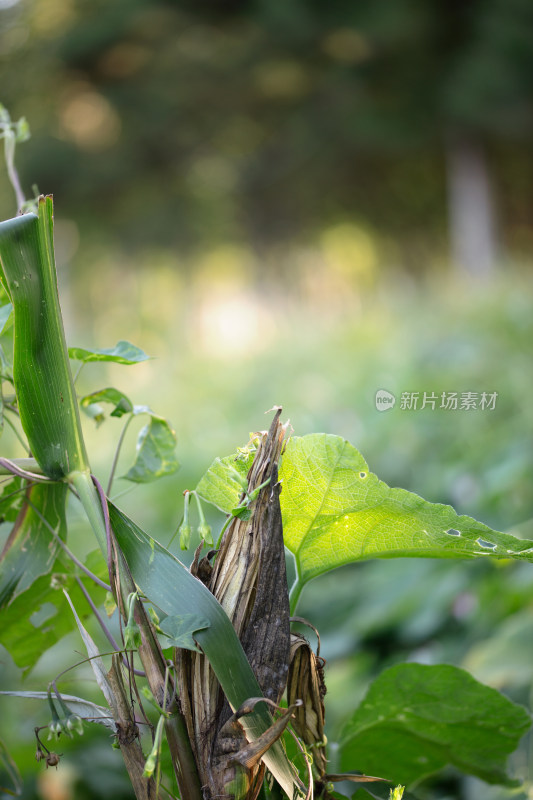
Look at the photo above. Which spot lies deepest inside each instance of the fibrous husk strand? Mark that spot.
(249, 581)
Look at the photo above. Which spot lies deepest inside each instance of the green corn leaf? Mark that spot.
(31, 548)
(122, 353)
(170, 586)
(155, 452)
(335, 511)
(43, 382)
(416, 719)
(122, 404)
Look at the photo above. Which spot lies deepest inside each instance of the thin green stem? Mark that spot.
(199, 507)
(109, 636)
(9, 153)
(78, 372)
(117, 454)
(294, 595)
(69, 552)
(85, 661)
(16, 432)
(125, 491)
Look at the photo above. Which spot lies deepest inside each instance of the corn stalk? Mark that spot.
(249, 581)
(50, 418)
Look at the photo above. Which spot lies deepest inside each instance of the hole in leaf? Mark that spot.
(362, 474)
(44, 613)
(453, 532)
(485, 544)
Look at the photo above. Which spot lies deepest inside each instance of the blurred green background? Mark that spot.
(298, 203)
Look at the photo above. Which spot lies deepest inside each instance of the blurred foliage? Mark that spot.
(264, 121)
(236, 184)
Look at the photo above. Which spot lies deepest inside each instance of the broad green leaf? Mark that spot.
(224, 482)
(335, 511)
(40, 617)
(96, 562)
(155, 452)
(416, 719)
(180, 629)
(91, 403)
(46, 398)
(31, 548)
(77, 705)
(122, 353)
(169, 585)
(5, 313)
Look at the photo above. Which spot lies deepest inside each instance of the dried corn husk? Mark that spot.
(306, 683)
(249, 581)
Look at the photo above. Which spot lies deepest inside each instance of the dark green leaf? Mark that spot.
(180, 629)
(416, 719)
(40, 617)
(11, 500)
(155, 452)
(31, 548)
(122, 353)
(91, 403)
(97, 564)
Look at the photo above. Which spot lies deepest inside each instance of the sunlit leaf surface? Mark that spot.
(223, 482)
(335, 511)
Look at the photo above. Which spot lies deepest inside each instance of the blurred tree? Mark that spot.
(263, 120)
